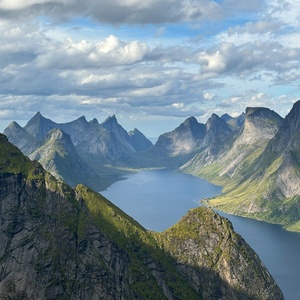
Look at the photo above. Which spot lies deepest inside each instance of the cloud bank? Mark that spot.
(97, 57)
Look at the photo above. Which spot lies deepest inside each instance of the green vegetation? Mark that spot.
(13, 161)
(138, 243)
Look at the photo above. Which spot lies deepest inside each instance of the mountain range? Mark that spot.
(79, 151)
(59, 242)
(254, 156)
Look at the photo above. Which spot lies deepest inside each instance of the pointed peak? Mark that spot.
(82, 118)
(226, 117)
(109, 121)
(111, 118)
(94, 121)
(14, 124)
(190, 120)
(214, 116)
(134, 131)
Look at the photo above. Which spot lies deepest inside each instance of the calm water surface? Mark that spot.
(157, 199)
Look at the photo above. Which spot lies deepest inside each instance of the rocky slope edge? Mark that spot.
(62, 243)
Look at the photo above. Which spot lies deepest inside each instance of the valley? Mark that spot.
(254, 156)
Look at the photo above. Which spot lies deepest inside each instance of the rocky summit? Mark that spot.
(58, 242)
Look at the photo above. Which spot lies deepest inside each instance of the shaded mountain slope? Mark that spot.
(21, 138)
(62, 243)
(59, 157)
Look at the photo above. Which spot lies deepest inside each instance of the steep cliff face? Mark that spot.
(62, 243)
(261, 124)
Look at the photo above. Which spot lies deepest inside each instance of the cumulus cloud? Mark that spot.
(83, 54)
(246, 59)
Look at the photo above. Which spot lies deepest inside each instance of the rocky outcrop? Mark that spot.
(214, 252)
(62, 243)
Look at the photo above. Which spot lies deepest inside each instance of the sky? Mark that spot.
(151, 63)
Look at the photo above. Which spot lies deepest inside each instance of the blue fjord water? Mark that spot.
(157, 199)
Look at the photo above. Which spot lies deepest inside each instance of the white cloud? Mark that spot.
(83, 54)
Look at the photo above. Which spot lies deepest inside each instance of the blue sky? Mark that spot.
(151, 63)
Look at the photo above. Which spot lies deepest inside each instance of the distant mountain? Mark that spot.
(260, 172)
(184, 139)
(139, 141)
(234, 122)
(94, 147)
(38, 126)
(63, 243)
(217, 135)
(260, 125)
(59, 157)
(21, 138)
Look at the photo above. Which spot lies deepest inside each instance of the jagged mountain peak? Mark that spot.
(235, 123)
(190, 121)
(139, 141)
(14, 124)
(183, 139)
(226, 117)
(39, 126)
(216, 123)
(82, 119)
(94, 121)
(110, 120)
(294, 117)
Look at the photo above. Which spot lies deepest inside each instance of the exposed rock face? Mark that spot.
(139, 141)
(234, 122)
(62, 243)
(288, 137)
(218, 135)
(21, 138)
(59, 157)
(286, 146)
(38, 126)
(261, 125)
(183, 139)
